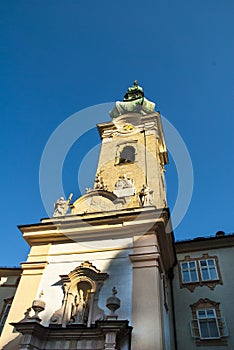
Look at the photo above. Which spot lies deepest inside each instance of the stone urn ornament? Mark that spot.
(113, 303)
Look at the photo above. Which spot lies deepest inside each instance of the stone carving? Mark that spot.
(97, 201)
(124, 187)
(113, 303)
(124, 182)
(80, 307)
(61, 206)
(146, 196)
(134, 102)
(26, 315)
(81, 289)
(38, 306)
(98, 182)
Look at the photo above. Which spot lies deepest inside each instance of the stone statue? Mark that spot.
(98, 182)
(134, 102)
(146, 196)
(61, 206)
(80, 308)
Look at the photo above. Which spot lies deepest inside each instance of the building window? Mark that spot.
(208, 269)
(207, 325)
(4, 313)
(202, 271)
(189, 271)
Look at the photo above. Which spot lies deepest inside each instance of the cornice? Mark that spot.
(95, 226)
(205, 243)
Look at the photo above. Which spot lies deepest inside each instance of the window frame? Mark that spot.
(4, 313)
(202, 268)
(195, 323)
(189, 269)
(201, 281)
(206, 320)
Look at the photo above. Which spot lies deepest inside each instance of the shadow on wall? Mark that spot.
(120, 276)
(13, 344)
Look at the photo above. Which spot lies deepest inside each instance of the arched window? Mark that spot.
(127, 155)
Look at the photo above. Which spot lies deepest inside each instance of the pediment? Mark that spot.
(97, 201)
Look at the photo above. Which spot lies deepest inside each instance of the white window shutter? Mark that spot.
(224, 329)
(193, 326)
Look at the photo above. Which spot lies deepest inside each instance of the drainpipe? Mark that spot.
(171, 276)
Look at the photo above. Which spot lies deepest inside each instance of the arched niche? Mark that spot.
(81, 289)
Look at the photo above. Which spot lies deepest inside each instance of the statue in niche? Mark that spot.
(80, 296)
(134, 102)
(80, 308)
(146, 196)
(61, 206)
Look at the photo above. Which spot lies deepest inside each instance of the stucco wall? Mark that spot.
(113, 260)
(222, 293)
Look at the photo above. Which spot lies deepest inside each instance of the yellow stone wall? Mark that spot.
(145, 170)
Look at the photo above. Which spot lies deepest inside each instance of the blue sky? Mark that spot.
(58, 57)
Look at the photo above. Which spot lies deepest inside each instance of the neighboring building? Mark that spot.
(9, 279)
(117, 238)
(203, 293)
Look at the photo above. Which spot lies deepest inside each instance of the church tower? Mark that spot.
(117, 237)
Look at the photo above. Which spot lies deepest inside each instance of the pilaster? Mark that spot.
(26, 292)
(147, 299)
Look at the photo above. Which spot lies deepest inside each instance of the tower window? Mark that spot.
(127, 155)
